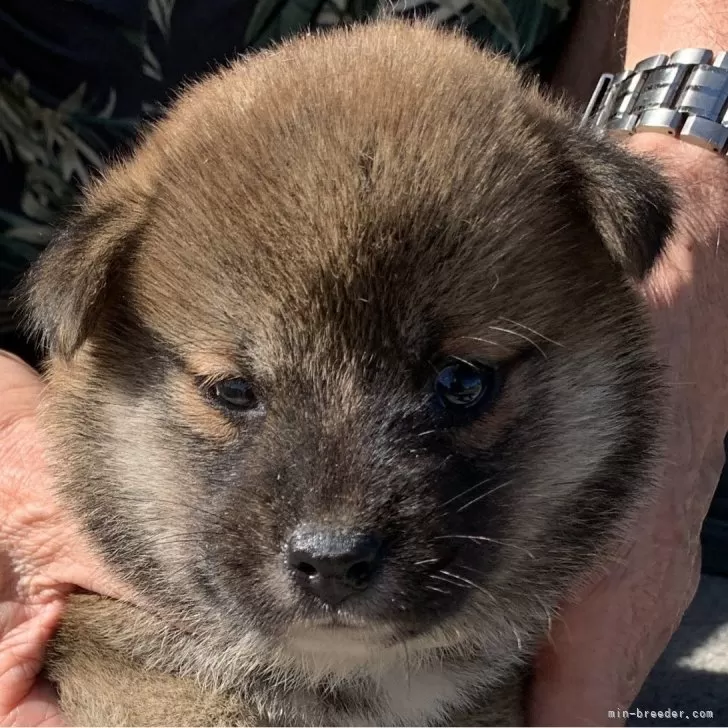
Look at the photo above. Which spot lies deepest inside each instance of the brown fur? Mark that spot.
(327, 221)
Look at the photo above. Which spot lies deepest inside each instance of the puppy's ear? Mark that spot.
(628, 201)
(67, 288)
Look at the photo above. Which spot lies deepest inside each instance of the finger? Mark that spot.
(13, 362)
(24, 701)
(40, 709)
(20, 388)
(48, 542)
(16, 374)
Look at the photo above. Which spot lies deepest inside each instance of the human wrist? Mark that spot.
(663, 26)
(677, 157)
(686, 291)
(699, 179)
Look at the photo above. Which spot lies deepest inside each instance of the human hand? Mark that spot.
(610, 636)
(42, 555)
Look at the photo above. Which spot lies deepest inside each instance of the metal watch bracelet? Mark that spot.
(684, 95)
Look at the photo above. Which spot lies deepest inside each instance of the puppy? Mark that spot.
(348, 378)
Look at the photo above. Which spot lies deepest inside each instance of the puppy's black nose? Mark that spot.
(333, 565)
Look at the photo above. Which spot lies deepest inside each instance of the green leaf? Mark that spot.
(33, 207)
(161, 12)
(21, 84)
(46, 177)
(84, 150)
(30, 152)
(563, 7)
(260, 18)
(335, 12)
(277, 20)
(38, 234)
(135, 37)
(74, 102)
(152, 108)
(24, 242)
(108, 110)
(332, 12)
(71, 163)
(9, 115)
(12, 220)
(496, 12)
(152, 68)
(5, 144)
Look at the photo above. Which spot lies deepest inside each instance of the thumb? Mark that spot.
(20, 386)
(23, 699)
(52, 542)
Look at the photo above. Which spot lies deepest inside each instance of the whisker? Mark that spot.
(447, 581)
(483, 341)
(471, 583)
(407, 666)
(171, 574)
(182, 536)
(425, 561)
(444, 462)
(463, 361)
(170, 539)
(483, 495)
(440, 591)
(533, 331)
(470, 568)
(518, 639)
(465, 492)
(549, 620)
(486, 538)
(520, 336)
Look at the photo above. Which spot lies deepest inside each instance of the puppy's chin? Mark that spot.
(359, 633)
(362, 632)
(339, 641)
(353, 633)
(341, 650)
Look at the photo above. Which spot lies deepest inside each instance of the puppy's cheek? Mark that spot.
(198, 415)
(479, 437)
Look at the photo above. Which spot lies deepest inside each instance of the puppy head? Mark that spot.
(351, 346)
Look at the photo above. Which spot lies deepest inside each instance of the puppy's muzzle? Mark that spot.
(333, 565)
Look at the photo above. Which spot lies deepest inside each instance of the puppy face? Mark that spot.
(348, 353)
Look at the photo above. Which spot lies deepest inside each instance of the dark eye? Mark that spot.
(234, 394)
(461, 385)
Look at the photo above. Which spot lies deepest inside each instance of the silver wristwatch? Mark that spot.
(685, 95)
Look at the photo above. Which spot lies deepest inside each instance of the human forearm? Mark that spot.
(662, 26)
(606, 644)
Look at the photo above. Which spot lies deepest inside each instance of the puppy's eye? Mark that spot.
(463, 385)
(234, 394)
